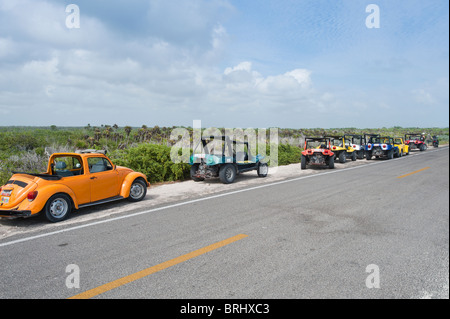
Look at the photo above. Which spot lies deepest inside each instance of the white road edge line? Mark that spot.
(205, 198)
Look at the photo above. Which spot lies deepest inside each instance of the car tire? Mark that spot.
(390, 154)
(263, 169)
(368, 156)
(194, 169)
(354, 156)
(227, 173)
(303, 162)
(342, 157)
(331, 162)
(58, 208)
(138, 191)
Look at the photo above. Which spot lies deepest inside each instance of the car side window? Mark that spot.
(67, 166)
(99, 164)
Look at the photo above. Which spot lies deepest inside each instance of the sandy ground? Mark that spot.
(158, 195)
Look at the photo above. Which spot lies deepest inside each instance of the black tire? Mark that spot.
(361, 155)
(227, 173)
(58, 208)
(354, 156)
(390, 154)
(342, 157)
(368, 156)
(263, 169)
(194, 169)
(331, 162)
(138, 190)
(303, 163)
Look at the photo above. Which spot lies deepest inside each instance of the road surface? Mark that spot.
(378, 230)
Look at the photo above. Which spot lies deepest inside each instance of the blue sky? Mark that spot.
(229, 63)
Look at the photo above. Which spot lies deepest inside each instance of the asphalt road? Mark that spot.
(309, 237)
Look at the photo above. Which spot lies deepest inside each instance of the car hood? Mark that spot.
(16, 190)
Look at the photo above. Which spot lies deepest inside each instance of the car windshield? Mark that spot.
(316, 144)
(356, 140)
(213, 146)
(375, 140)
(336, 142)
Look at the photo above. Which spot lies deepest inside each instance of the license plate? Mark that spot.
(6, 192)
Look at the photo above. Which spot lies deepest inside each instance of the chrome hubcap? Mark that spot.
(58, 208)
(136, 190)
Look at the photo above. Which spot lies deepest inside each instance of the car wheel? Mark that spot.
(342, 157)
(194, 169)
(263, 169)
(390, 154)
(368, 156)
(303, 162)
(354, 156)
(58, 208)
(138, 190)
(331, 162)
(227, 173)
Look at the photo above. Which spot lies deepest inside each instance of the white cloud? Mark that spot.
(169, 71)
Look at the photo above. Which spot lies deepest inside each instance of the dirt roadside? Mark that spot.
(162, 194)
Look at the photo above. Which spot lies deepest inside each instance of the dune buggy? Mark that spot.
(342, 149)
(224, 158)
(415, 141)
(381, 146)
(402, 148)
(317, 151)
(357, 142)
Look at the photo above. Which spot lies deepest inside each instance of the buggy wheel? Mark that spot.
(227, 173)
(390, 154)
(58, 208)
(342, 157)
(303, 163)
(368, 156)
(263, 169)
(354, 156)
(194, 169)
(331, 162)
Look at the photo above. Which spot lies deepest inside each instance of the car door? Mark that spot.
(73, 176)
(104, 179)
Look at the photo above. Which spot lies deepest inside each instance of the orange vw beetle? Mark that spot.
(72, 181)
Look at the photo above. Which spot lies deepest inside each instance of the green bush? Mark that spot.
(153, 160)
(288, 154)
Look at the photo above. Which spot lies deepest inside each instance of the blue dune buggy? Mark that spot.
(380, 146)
(224, 158)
